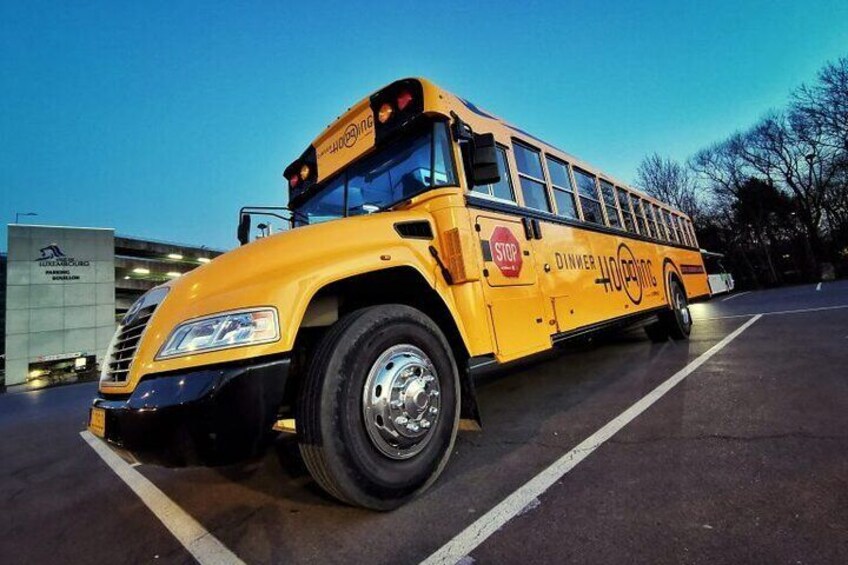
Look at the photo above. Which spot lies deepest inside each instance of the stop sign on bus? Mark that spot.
(506, 253)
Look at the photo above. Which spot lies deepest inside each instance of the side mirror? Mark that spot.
(484, 160)
(244, 229)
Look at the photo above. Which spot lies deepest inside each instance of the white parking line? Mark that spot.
(732, 296)
(203, 546)
(818, 287)
(797, 311)
(475, 534)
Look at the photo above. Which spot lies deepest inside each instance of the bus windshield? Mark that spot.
(409, 166)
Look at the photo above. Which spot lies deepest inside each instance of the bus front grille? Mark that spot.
(124, 345)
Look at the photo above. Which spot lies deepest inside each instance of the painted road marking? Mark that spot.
(202, 545)
(818, 287)
(732, 296)
(475, 534)
(779, 312)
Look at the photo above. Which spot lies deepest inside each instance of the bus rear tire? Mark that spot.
(379, 408)
(674, 322)
(677, 319)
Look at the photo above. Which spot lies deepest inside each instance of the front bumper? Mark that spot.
(206, 416)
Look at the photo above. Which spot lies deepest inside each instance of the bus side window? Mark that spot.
(531, 177)
(640, 215)
(588, 191)
(503, 188)
(659, 225)
(684, 234)
(563, 189)
(663, 214)
(608, 194)
(692, 233)
(643, 212)
(626, 209)
(671, 228)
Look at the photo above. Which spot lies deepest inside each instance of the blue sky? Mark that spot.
(161, 120)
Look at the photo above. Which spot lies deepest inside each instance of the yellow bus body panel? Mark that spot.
(285, 271)
(574, 277)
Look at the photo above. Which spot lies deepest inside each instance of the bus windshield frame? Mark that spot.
(418, 161)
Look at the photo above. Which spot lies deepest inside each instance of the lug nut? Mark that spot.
(412, 427)
(401, 420)
(429, 378)
(434, 393)
(396, 403)
(425, 424)
(434, 410)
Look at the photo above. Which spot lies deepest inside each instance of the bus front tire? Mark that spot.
(379, 408)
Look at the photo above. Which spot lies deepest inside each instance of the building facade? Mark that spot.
(67, 287)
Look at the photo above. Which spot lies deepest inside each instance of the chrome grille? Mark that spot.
(123, 348)
(121, 353)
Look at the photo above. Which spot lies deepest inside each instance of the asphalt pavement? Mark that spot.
(744, 461)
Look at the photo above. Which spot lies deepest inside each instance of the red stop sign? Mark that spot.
(506, 253)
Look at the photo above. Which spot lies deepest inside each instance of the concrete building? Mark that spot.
(67, 287)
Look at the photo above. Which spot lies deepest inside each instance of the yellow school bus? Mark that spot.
(428, 235)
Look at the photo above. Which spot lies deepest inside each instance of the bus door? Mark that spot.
(511, 287)
(561, 280)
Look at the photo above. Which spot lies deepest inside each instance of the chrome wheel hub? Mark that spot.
(683, 308)
(401, 401)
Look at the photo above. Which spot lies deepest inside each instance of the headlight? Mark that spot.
(222, 331)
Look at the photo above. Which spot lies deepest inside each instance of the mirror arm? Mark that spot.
(247, 211)
(462, 132)
(464, 136)
(264, 211)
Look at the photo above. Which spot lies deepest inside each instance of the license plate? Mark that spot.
(97, 422)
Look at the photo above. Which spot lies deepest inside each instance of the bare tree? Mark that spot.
(775, 195)
(825, 103)
(793, 152)
(720, 170)
(822, 110)
(669, 181)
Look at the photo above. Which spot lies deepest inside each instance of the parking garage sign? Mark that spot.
(57, 266)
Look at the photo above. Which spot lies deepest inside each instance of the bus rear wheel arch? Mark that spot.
(676, 320)
(379, 408)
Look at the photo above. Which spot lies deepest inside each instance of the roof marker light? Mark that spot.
(403, 99)
(385, 113)
(304, 172)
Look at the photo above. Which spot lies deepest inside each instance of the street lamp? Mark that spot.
(19, 214)
(812, 170)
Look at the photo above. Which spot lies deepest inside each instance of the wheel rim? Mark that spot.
(401, 401)
(682, 307)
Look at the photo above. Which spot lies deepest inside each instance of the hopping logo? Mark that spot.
(52, 251)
